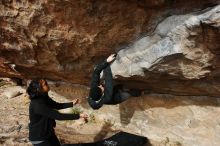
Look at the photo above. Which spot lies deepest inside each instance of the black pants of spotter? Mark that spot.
(52, 141)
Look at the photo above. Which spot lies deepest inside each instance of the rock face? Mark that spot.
(181, 57)
(170, 48)
(168, 120)
(164, 43)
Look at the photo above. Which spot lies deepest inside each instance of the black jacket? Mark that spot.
(42, 115)
(111, 93)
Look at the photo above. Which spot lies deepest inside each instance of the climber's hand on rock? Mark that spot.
(111, 58)
(76, 101)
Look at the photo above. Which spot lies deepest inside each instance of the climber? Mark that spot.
(43, 113)
(108, 93)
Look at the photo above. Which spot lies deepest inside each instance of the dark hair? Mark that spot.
(34, 89)
(95, 93)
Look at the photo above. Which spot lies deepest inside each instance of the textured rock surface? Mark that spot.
(62, 40)
(165, 119)
(181, 57)
(174, 120)
(170, 48)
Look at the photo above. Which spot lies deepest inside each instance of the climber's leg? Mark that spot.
(108, 84)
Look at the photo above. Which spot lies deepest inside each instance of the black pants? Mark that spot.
(117, 92)
(120, 95)
(52, 141)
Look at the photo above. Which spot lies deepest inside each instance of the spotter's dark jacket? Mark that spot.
(43, 113)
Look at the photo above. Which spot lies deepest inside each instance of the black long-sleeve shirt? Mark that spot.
(108, 88)
(43, 113)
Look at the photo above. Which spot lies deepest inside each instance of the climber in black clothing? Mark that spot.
(43, 113)
(107, 94)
